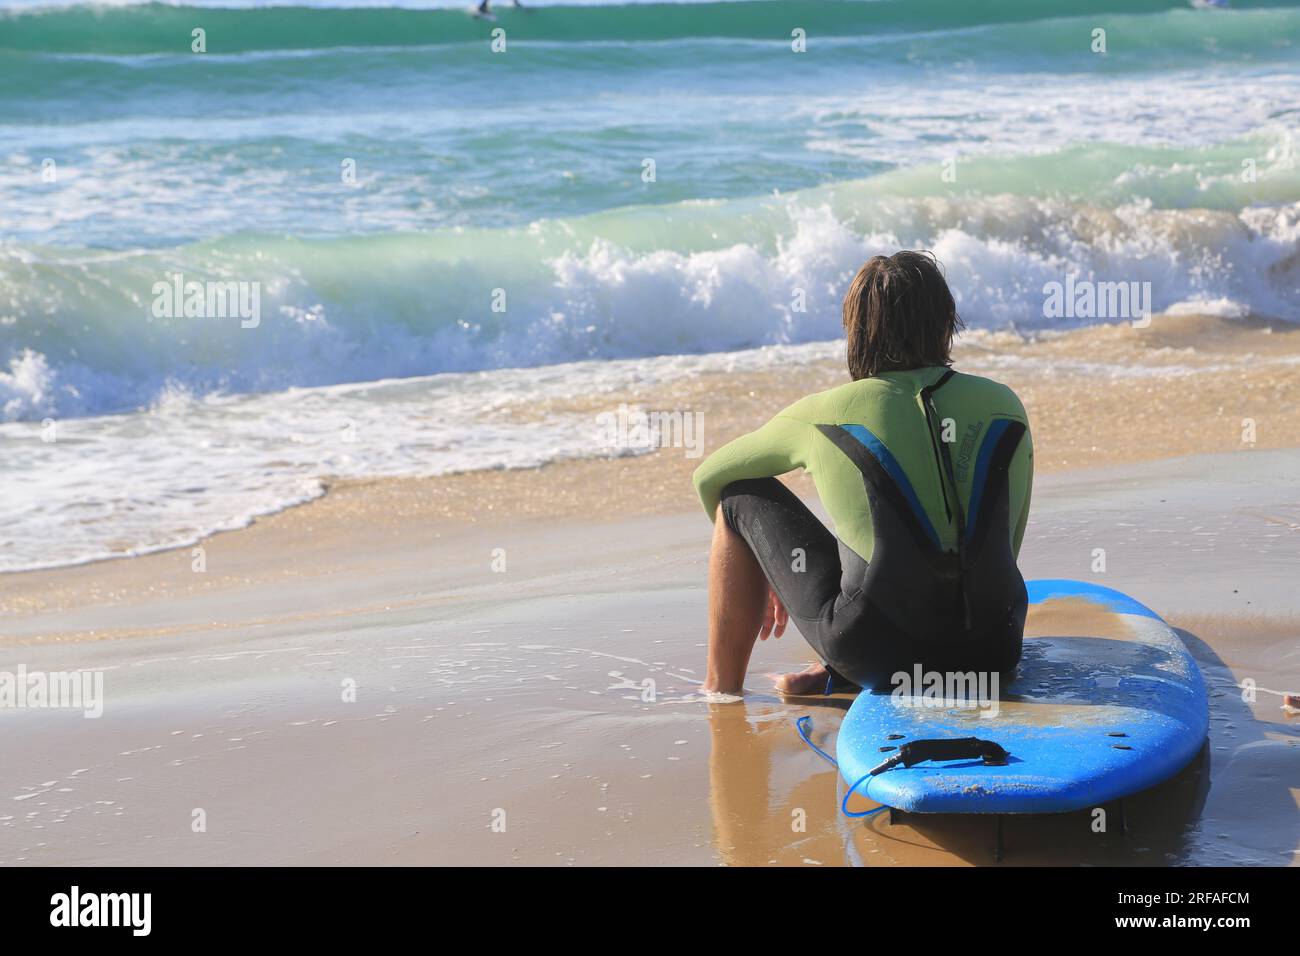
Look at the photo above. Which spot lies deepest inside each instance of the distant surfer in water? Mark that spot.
(926, 474)
(484, 9)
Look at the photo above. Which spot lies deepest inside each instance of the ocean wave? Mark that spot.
(79, 333)
(189, 465)
(143, 29)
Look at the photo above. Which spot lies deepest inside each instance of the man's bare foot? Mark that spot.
(811, 680)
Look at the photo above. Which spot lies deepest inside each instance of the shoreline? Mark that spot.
(1184, 386)
(355, 681)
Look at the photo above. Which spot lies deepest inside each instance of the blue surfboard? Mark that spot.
(1106, 702)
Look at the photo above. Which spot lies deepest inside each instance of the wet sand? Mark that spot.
(503, 714)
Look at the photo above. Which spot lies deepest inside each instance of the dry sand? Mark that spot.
(519, 696)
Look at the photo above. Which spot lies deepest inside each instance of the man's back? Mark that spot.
(886, 415)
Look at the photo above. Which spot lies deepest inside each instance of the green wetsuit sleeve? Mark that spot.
(1021, 476)
(779, 446)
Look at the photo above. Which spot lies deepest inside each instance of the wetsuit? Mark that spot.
(926, 475)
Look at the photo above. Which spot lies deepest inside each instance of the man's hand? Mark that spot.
(775, 617)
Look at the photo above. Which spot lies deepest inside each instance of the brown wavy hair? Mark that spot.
(899, 314)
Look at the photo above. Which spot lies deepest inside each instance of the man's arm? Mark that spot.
(772, 450)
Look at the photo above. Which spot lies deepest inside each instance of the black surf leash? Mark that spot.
(910, 754)
(944, 748)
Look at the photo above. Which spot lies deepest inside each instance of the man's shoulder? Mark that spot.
(998, 397)
(879, 396)
(833, 403)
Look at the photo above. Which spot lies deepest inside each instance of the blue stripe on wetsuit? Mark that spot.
(895, 471)
(991, 438)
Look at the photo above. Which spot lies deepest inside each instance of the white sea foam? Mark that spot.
(189, 466)
(370, 309)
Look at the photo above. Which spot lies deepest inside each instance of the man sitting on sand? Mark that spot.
(926, 474)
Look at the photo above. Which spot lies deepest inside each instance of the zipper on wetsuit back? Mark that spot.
(943, 462)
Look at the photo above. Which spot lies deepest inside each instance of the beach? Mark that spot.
(356, 356)
(483, 687)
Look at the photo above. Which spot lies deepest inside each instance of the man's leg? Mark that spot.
(737, 597)
(763, 533)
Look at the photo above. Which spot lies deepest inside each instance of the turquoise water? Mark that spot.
(523, 170)
(501, 215)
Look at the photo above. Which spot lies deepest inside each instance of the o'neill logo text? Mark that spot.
(102, 909)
